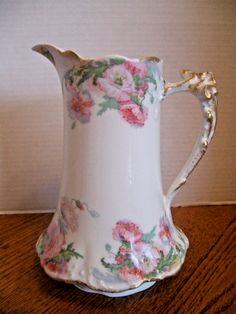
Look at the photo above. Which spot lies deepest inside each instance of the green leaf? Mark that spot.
(67, 76)
(136, 99)
(118, 60)
(85, 76)
(56, 259)
(150, 79)
(147, 237)
(108, 247)
(151, 98)
(106, 97)
(109, 103)
(101, 63)
(93, 213)
(69, 246)
(126, 244)
(67, 258)
(168, 260)
(170, 253)
(79, 71)
(129, 263)
(43, 240)
(96, 78)
(111, 266)
(181, 252)
(101, 111)
(65, 255)
(77, 255)
(104, 263)
(93, 71)
(152, 275)
(137, 79)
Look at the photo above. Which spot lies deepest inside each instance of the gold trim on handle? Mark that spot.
(203, 86)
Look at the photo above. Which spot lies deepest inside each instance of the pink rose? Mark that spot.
(126, 231)
(144, 256)
(142, 89)
(122, 255)
(139, 68)
(60, 268)
(130, 274)
(56, 239)
(133, 113)
(165, 232)
(80, 106)
(117, 83)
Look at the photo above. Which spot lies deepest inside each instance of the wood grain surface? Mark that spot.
(205, 284)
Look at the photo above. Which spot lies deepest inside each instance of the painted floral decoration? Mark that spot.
(122, 85)
(138, 256)
(52, 248)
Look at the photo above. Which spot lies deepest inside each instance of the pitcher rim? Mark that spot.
(75, 55)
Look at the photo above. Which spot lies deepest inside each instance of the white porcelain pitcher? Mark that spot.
(112, 232)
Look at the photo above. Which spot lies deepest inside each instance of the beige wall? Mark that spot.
(199, 35)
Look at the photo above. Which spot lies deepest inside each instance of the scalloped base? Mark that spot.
(142, 287)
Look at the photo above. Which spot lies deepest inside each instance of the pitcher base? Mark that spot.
(142, 287)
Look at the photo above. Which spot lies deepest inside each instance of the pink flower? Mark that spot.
(80, 106)
(55, 241)
(126, 231)
(133, 113)
(69, 214)
(165, 232)
(122, 255)
(60, 268)
(142, 89)
(144, 256)
(139, 68)
(117, 83)
(130, 274)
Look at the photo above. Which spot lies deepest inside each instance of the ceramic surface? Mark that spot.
(112, 232)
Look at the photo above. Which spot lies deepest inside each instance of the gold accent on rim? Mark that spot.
(152, 59)
(75, 55)
(70, 54)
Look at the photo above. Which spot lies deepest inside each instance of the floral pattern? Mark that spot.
(138, 256)
(52, 248)
(122, 84)
(79, 106)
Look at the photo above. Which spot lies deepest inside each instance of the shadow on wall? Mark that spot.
(31, 153)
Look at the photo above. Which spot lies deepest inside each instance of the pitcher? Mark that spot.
(112, 232)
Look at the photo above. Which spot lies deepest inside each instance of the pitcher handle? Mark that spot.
(203, 86)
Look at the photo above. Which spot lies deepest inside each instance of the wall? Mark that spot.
(199, 35)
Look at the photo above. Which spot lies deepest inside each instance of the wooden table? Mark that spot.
(205, 284)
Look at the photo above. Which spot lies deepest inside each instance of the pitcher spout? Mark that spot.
(62, 60)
